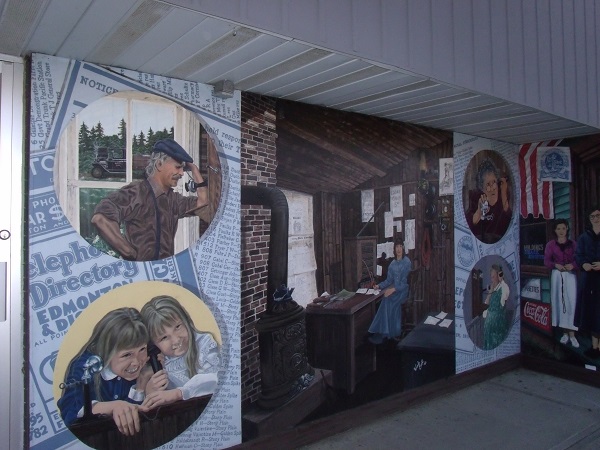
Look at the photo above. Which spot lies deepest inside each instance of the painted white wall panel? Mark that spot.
(66, 13)
(278, 54)
(544, 59)
(516, 57)
(305, 16)
(571, 95)
(558, 58)
(264, 12)
(463, 42)
(11, 252)
(187, 45)
(394, 27)
(499, 44)
(482, 40)
(172, 27)
(367, 36)
(580, 54)
(443, 59)
(542, 53)
(530, 47)
(89, 31)
(420, 36)
(264, 43)
(593, 59)
(336, 25)
(304, 77)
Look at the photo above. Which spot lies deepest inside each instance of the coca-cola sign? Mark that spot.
(538, 315)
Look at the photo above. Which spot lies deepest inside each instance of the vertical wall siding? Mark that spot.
(328, 241)
(539, 53)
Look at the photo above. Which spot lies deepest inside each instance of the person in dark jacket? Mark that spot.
(587, 255)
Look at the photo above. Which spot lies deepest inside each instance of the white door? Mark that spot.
(11, 252)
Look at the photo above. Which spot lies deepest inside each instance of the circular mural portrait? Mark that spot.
(138, 366)
(488, 197)
(490, 302)
(138, 176)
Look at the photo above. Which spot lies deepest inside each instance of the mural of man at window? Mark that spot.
(149, 209)
(93, 162)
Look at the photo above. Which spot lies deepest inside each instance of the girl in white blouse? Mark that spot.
(190, 357)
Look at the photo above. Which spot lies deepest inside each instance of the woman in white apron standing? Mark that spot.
(559, 256)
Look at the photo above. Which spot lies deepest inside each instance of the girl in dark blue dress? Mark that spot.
(120, 340)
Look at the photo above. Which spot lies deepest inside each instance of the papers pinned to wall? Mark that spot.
(396, 202)
(367, 202)
(389, 224)
(409, 235)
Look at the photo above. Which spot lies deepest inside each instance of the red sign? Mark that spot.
(537, 314)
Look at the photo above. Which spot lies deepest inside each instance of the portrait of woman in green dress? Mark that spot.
(495, 326)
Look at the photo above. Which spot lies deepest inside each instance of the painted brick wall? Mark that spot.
(258, 163)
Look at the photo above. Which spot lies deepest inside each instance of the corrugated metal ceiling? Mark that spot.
(160, 38)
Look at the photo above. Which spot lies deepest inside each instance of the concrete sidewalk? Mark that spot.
(520, 409)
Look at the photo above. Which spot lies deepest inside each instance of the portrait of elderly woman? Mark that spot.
(489, 210)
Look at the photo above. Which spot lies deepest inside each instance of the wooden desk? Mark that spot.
(335, 337)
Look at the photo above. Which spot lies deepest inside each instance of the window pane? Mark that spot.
(88, 199)
(152, 121)
(102, 131)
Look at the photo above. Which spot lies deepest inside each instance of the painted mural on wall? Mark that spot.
(160, 347)
(382, 319)
(93, 132)
(559, 321)
(486, 239)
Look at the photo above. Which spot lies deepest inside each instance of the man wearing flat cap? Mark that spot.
(150, 209)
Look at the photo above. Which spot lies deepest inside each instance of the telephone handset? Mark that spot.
(153, 352)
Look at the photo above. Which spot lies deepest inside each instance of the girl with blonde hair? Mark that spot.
(112, 362)
(191, 358)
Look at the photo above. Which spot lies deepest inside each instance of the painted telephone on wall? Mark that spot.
(153, 352)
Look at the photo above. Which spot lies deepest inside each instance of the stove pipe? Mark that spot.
(274, 199)
(281, 328)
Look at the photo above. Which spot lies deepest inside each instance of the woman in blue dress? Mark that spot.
(387, 323)
(495, 325)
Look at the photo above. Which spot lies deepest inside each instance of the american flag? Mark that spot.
(536, 196)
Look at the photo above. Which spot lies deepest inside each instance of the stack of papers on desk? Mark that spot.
(439, 320)
(368, 291)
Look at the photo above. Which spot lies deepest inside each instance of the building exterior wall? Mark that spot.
(258, 169)
(13, 399)
(543, 53)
